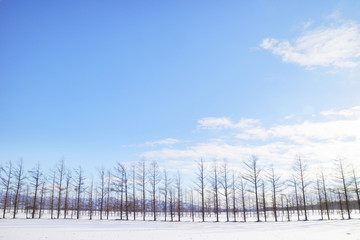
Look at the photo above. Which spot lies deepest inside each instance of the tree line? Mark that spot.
(145, 191)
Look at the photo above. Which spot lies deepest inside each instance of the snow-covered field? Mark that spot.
(31, 229)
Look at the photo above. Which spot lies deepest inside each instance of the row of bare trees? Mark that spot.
(218, 191)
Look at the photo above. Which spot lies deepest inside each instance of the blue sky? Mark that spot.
(99, 82)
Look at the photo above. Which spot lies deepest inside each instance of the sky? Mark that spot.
(99, 82)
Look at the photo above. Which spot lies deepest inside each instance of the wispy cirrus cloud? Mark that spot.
(337, 45)
(225, 123)
(167, 141)
(352, 112)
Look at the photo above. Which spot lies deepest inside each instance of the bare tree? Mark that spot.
(102, 190)
(233, 187)
(108, 193)
(341, 176)
(276, 184)
(165, 190)
(294, 183)
(215, 183)
(61, 174)
(252, 175)
(26, 202)
(287, 206)
(91, 201)
(355, 180)
(35, 175)
(201, 184)
(79, 188)
(192, 204)
(19, 176)
(126, 193)
(67, 192)
(323, 183)
(154, 180)
(142, 176)
(264, 199)
(134, 190)
(119, 186)
(178, 183)
(42, 197)
(318, 189)
(242, 186)
(225, 185)
(300, 168)
(52, 199)
(6, 183)
(340, 203)
(171, 201)
(218, 192)
(121, 176)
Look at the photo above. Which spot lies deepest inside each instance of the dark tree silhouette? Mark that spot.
(300, 168)
(26, 202)
(108, 193)
(252, 175)
(264, 199)
(276, 185)
(6, 183)
(61, 175)
(219, 193)
(102, 190)
(142, 176)
(178, 183)
(234, 195)
(171, 202)
(215, 188)
(122, 185)
(341, 176)
(201, 184)
(79, 188)
(68, 179)
(52, 194)
(125, 189)
(225, 185)
(35, 175)
(165, 191)
(323, 183)
(242, 186)
(294, 183)
(318, 190)
(91, 201)
(19, 176)
(154, 180)
(355, 180)
(192, 207)
(134, 190)
(42, 197)
(340, 203)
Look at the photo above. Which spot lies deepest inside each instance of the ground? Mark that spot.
(39, 229)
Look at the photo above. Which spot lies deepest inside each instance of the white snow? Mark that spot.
(67, 229)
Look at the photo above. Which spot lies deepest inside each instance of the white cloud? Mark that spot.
(331, 129)
(225, 123)
(254, 133)
(352, 112)
(289, 116)
(318, 141)
(167, 141)
(335, 46)
(307, 24)
(306, 131)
